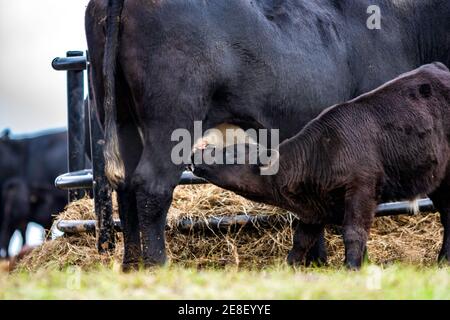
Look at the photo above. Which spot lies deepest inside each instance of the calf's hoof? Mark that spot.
(316, 259)
(160, 261)
(128, 267)
(353, 265)
(295, 260)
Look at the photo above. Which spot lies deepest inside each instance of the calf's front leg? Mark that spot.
(318, 255)
(441, 202)
(360, 205)
(306, 236)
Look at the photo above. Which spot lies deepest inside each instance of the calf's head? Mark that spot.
(247, 169)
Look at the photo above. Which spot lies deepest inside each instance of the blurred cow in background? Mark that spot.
(28, 168)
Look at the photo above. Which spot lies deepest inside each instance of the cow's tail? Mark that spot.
(114, 167)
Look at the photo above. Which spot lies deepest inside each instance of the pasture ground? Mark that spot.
(275, 282)
(403, 252)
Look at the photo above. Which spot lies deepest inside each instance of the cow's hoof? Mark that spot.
(353, 266)
(294, 259)
(155, 263)
(130, 267)
(317, 262)
(316, 259)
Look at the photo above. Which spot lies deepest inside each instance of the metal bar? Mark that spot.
(403, 207)
(187, 225)
(72, 227)
(83, 180)
(189, 178)
(76, 123)
(233, 223)
(236, 223)
(101, 189)
(75, 180)
(72, 63)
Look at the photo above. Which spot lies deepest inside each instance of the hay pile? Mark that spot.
(407, 239)
(4, 266)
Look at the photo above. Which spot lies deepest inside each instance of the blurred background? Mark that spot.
(32, 94)
(32, 33)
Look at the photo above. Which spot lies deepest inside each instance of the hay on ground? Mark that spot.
(4, 266)
(415, 239)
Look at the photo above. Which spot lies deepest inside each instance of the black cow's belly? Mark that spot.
(265, 64)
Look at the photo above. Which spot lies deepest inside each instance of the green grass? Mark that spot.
(281, 282)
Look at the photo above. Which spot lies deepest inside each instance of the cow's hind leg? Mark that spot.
(360, 205)
(131, 150)
(130, 227)
(305, 237)
(441, 202)
(154, 180)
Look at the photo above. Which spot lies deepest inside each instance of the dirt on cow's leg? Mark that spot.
(130, 151)
(360, 208)
(442, 203)
(130, 226)
(154, 181)
(305, 237)
(355, 239)
(153, 205)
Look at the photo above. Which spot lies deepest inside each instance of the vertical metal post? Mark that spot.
(76, 124)
(101, 188)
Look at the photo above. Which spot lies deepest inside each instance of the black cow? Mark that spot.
(31, 165)
(23, 203)
(28, 168)
(159, 65)
(390, 144)
(15, 200)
